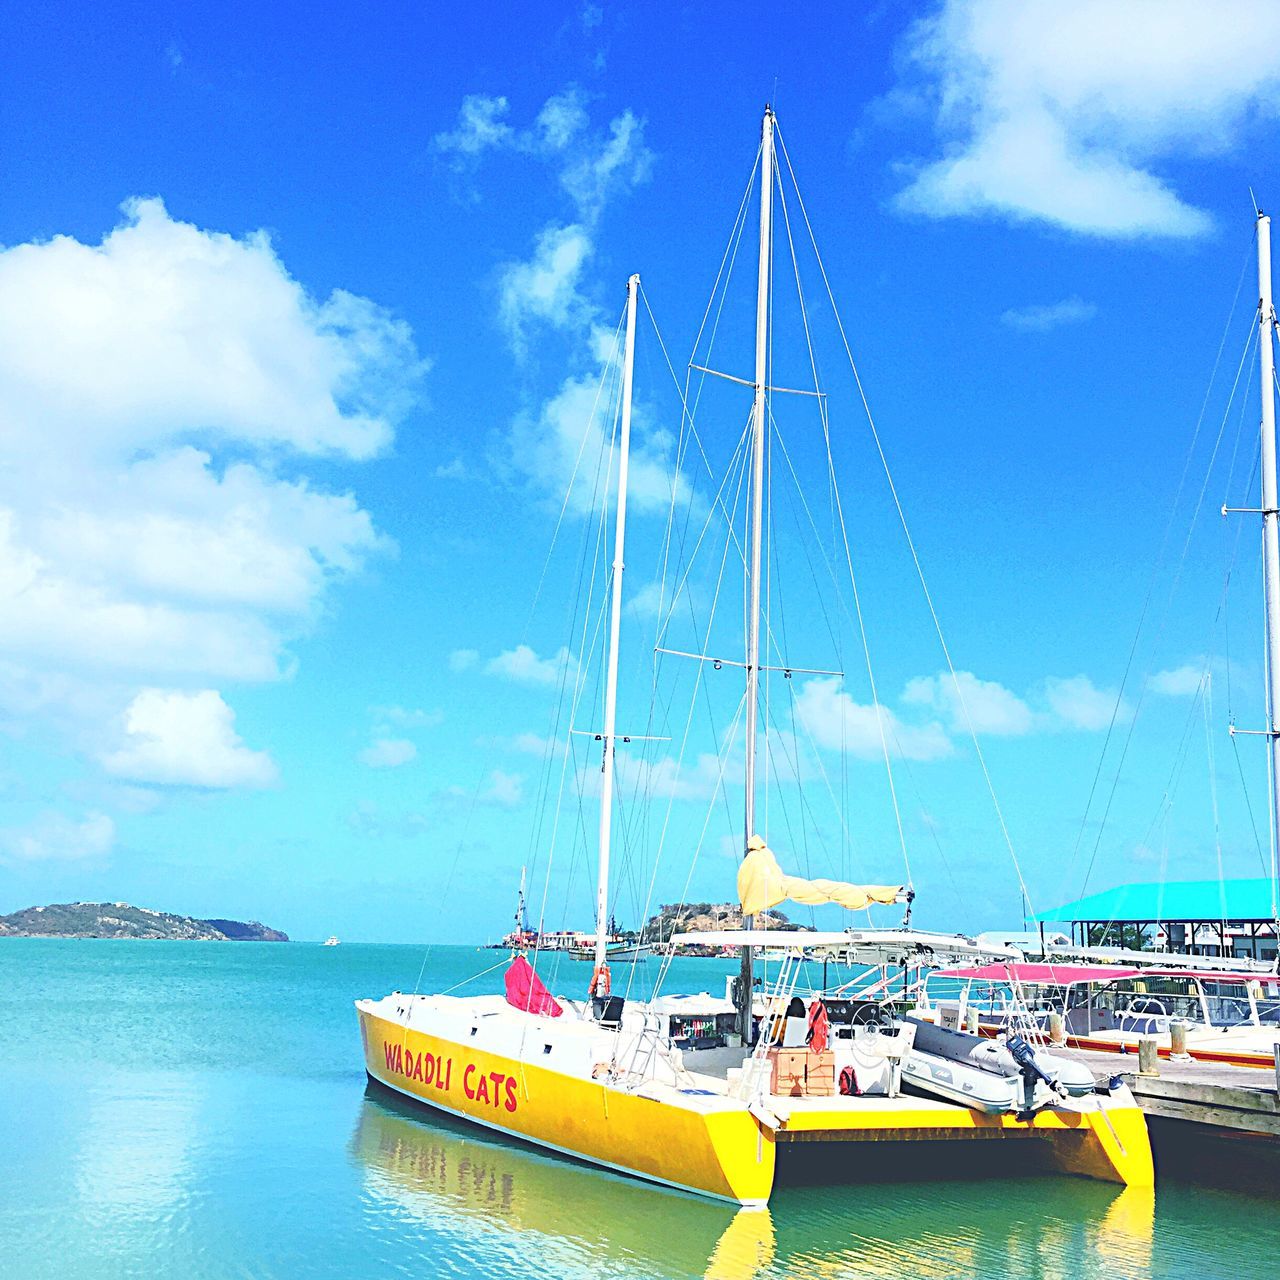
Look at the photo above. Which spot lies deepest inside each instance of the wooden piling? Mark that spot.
(1148, 1059)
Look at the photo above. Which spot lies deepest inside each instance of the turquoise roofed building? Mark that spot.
(1203, 917)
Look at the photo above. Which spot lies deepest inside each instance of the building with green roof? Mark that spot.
(1204, 917)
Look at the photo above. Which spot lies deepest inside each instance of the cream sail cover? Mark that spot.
(763, 884)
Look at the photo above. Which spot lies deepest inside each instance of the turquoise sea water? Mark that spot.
(200, 1110)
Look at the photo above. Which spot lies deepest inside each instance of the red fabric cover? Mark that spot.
(525, 990)
(818, 1027)
(1056, 974)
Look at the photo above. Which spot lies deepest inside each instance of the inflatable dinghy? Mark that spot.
(988, 1075)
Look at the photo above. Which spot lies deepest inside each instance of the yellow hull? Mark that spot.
(722, 1152)
(712, 1145)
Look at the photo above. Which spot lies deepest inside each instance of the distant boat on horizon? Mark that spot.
(330, 941)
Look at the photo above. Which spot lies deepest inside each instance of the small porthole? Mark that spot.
(546, 1048)
(474, 1030)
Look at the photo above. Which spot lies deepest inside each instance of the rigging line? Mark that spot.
(688, 413)
(786, 455)
(898, 504)
(1226, 631)
(1220, 614)
(688, 596)
(930, 825)
(823, 409)
(792, 760)
(843, 719)
(702, 835)
(688, 428)
(905, 529)
(578, 686)
(730, 542)
(699, 685)
(844, 534)
(609, 370)
(547, 769)
(1271, 786)
(735, 236)
(1180, 756)
(1164, 618)
(1248, 804)
(1156, 568)
(1206, 705)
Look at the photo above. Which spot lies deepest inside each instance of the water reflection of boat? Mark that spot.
(463, 1181)
(574, 1220)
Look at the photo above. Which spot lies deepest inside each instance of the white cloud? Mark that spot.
(649, 601)
(546, 291)
(54, 837)
(991, 708)
(1179, 682)
(408, 717)
(505, 790)
(1080, 704)
(164, 330)
(1058, 113)
(481, 125)
(530, 744)
(546, 287)
(562, 119)
(1042, 318)
(666, 779)
(562, 446)
(186, 739)
(463, 660)
(622, 163)
(523, 665)
(162, 394)
(837, 722)
(388, 753)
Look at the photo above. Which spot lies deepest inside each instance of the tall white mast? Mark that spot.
(615, 624)
(759, 434)
(1270, 532)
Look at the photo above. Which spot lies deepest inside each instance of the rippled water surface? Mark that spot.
(200, 1110)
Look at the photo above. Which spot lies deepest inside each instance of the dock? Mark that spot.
(1241, 1099)
(1207, 1121)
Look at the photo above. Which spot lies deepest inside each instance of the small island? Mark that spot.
(120, 920)
(700, 917)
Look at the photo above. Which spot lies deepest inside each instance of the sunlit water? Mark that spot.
(200, 1110)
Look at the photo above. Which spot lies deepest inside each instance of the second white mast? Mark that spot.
(615, 626)
(759, 434)
(1270, 524)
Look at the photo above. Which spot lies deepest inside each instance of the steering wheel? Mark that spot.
(870, 1015)
(1148, 1005)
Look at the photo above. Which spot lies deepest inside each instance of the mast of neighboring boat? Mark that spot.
(1270, 530)
(615, 625)
(522, 925)
(759, 428)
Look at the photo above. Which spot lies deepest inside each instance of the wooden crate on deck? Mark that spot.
(799, 1073)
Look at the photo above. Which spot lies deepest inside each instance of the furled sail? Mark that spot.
(525, 990)
(762, 884)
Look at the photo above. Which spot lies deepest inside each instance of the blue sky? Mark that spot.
(299, 311)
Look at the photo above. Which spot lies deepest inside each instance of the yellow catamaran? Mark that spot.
(628, 1086)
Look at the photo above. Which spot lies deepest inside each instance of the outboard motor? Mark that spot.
(1024, 1055)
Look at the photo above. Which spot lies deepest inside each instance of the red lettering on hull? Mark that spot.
(494, 1089)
